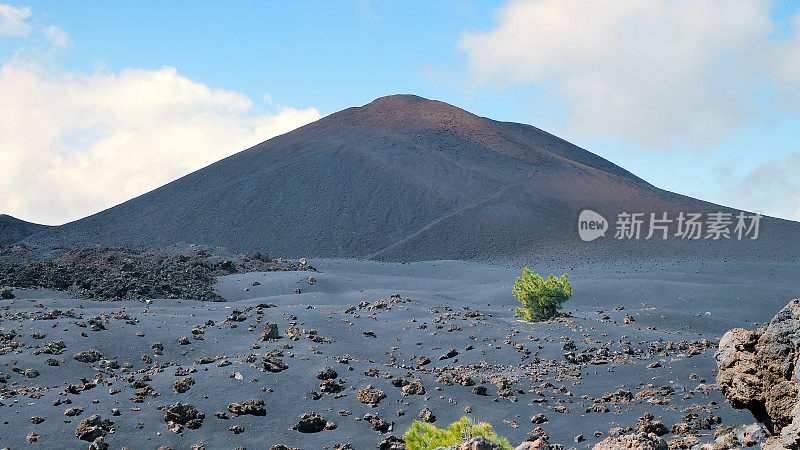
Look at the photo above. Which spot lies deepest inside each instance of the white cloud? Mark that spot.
(786, 55)
(771, 188)
(58, 37)
(12, 21)
(655, 72)
(73, 144)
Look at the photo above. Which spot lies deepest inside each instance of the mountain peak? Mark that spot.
(418, 118)
(399, 99)
(413, 104)
(412, 113)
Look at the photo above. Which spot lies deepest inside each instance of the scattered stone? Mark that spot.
(331, 387)
(450, 354)
(184, 414)
(378, 424)
(272, 364)
(270, 332)
(328, 373)
(88, 356)
(74, 411)
(414, 388)
(392, 443)
(647, 425)
(54, 348)
(370, 395)
(204, 360)
(539, 419)
(313, 423)
(99, 444)
(183, 385)
(427, 416)
(628, 319)
(93, 427)
(253, 407)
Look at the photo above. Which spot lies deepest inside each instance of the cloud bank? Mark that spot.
(654, 72)
(72, 144)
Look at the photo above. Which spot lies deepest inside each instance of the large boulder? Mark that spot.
(758, 371)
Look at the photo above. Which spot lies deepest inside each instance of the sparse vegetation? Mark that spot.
(424, 436)
(540, 299)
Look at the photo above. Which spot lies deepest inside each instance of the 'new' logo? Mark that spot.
(591, 225)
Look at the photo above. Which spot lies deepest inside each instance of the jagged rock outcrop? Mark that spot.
(635, 441)
(758, 371)
(101, 273)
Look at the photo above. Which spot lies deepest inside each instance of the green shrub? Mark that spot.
(540, 299)
(424, 436)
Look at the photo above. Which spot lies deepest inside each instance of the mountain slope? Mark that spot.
(401, 178)
(13, 230)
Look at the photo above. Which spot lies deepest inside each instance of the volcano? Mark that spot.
(405, 178)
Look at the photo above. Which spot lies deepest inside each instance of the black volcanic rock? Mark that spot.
(14, 230)
(117, 274)
(406, 178)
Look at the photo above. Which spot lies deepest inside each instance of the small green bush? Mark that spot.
(540, 299)
(424, 436)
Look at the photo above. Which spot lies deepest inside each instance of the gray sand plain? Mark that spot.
(442, 305)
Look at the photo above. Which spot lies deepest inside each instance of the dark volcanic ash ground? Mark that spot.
(430, 336)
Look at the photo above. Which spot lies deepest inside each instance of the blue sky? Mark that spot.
(271, 66)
